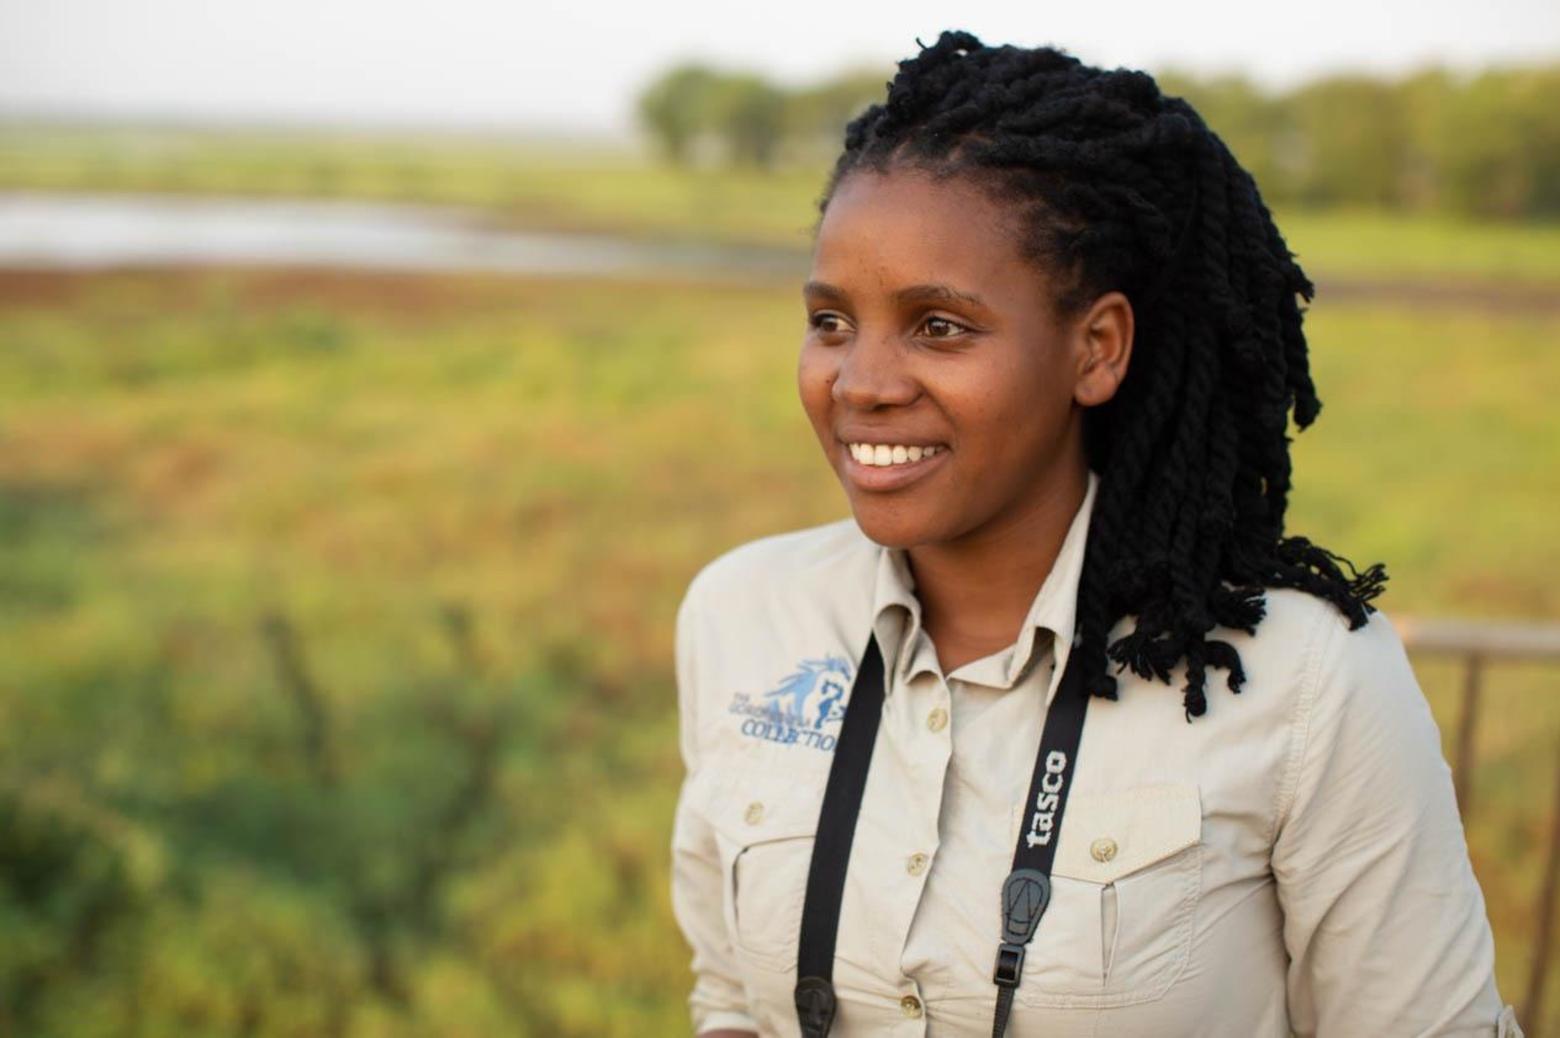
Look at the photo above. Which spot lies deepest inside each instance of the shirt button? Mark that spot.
(916, 864)
(1103, 849)
(754, 813)
(937, 720)
(911, 1007)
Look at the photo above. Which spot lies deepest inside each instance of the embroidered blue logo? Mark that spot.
(805, 708)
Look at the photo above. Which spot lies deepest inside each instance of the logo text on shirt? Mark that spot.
(804, 709)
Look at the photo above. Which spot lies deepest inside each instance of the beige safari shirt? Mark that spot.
(1290, 862)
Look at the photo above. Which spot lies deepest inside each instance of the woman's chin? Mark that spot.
(894, 527)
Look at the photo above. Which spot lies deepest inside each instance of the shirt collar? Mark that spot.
(907, 650)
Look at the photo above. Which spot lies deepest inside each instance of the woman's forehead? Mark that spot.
(907, 226)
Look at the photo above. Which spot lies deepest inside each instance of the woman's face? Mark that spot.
(945, 391)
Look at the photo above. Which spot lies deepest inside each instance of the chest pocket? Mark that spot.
(765, 825)
(1124, 895)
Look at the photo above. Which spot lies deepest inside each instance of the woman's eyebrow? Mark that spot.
(927, 293)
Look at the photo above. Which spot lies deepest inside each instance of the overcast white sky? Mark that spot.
(576, 65)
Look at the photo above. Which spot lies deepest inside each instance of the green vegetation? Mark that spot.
(1433, 141)
(203, 836)
(698, 114)
(1365, 244)
(336, 693)
(619, 191)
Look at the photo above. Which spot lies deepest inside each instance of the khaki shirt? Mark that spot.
(1291, 861)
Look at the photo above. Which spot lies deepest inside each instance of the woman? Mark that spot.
(1053, 340)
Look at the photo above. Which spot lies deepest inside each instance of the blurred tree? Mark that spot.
(749, 118)
(1427, 98)
(752, 121)
(816, 116)
(678, 106)
(1489, 147)
(1356, 146)
(1496, 144)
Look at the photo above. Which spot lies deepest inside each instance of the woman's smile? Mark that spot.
(885, 465)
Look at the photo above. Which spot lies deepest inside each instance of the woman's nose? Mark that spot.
(873, 374)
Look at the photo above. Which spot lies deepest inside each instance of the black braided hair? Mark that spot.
(1115, 185)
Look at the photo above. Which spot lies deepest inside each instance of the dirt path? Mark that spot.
(1441, 294)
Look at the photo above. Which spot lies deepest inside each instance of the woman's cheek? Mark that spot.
(815, 375)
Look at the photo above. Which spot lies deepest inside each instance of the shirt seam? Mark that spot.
(1301, 718)
(693, 614)
(705, 1017)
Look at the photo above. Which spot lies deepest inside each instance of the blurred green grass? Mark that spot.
(182, 453)
(206, 842)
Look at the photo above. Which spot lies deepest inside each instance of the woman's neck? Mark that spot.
(976, 591)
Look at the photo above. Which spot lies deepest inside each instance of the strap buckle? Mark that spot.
(1010, 965)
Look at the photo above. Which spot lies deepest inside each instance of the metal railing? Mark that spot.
(1480, 643)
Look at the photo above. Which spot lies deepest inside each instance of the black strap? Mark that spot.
(1025, 893)
(831, 849)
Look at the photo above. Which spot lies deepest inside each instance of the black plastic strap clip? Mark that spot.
(1010, 964)
(1025, 895)
(814, 1006)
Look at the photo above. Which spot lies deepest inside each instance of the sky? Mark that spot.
(576, 66)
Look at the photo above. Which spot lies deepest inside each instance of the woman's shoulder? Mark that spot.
(783, 611)
(1298, 621)
(1304, 649)
(1339, 670)
(819, 560)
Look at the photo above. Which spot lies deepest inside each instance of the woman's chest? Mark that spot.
(1161, 891)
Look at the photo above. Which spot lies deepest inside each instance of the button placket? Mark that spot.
(903, 867)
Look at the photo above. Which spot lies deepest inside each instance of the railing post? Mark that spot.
(1462, 775)
(1533, 1006)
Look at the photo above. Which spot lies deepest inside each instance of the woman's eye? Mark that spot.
(829, 323)
(824, 322)
(942, 327)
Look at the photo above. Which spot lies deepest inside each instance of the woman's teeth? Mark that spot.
(886, 454)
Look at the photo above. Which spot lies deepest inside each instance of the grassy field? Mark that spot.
(317, 589)
(474, 504)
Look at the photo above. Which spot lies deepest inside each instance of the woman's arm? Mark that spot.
(1383, 919)
(718, 1002)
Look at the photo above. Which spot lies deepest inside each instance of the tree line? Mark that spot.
(1485, 144)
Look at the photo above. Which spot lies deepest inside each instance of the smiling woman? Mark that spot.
(1053, 342)
(970, 358)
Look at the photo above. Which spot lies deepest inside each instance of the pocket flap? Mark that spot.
(755, 807)
(1106, 836)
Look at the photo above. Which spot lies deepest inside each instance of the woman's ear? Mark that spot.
(1104, 349)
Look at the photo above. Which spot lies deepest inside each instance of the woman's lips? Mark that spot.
(894, 476)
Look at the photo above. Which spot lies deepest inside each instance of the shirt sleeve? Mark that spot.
(717, 1000)
(1384, 921)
